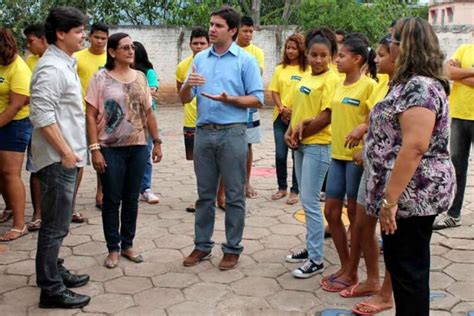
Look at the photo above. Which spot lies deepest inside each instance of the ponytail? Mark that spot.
(358, 44)
(322, 35)
(372, 66)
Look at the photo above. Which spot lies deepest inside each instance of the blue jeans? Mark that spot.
(220, 153)
(121, 185)
(462, 136)
(146, 182)
(281, 156)
(312, 163)
(57, 190)
(343, 179)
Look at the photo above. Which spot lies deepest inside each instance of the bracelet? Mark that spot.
(95, 146)
(157, 141)
(386, 204)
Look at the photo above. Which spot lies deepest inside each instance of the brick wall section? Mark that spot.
(167, 46)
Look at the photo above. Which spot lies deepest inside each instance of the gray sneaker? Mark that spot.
(446, 221)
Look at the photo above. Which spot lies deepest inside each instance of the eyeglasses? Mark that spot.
(127, 47)
(393, 41)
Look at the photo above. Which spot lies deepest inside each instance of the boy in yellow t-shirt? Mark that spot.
(198, 41)
(244, 39)
(89, 61)
(461, 105)
(36, 44)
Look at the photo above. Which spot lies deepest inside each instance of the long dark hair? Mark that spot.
(8, 47)
(358, 44)
(298, 39)
(142, 62)
(112, 43)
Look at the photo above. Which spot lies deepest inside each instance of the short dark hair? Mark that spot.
(199, 32)
(36, 29)
(112, 43)
(62, 19)
(99, 27)
(231, 17)
(340, 32)
(247, 21)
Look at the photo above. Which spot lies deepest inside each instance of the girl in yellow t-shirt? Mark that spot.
(310, 135)
(15, 132)
(286, 77)
(349, 110)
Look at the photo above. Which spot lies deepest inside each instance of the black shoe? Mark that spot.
(65, 299)
(72, 280)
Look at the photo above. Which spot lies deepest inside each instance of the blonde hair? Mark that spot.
(420, 53)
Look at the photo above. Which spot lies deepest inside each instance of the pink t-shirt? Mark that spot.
(122, 118)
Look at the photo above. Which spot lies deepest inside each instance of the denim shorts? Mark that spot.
(343, 179)
(189, 141)
(16, 135)
(362, 189)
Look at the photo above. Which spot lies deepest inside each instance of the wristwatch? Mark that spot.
(386, 204)
(157, 141)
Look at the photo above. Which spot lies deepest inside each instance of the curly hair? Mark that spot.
(298, 39)
(8, 47)
(420, 53)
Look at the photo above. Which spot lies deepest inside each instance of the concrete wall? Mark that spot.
(167, 46)
(451, 37)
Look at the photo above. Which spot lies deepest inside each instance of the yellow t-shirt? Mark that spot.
(16, 78)
(284, 81)
(87, 65)
(461, 99)
(333, 67)
(380, 91)
(349, 109)
(31, 61)
(257, 53)
(190, 110)
(312, 96)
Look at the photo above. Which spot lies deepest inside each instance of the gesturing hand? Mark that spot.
(195, 79)
(223, 97)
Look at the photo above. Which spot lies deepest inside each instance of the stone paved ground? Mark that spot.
(261, 285)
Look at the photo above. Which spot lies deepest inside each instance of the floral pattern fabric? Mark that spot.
(432, 188)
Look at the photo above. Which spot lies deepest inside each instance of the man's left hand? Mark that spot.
(223, 97)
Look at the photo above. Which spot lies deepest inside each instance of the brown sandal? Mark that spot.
(279, 195)
(6, 215)
(34, 225)
(292, 199)
(109, 263)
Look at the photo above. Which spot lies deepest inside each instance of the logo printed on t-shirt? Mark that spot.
(296, 78)
(305, 90)
(350, 101)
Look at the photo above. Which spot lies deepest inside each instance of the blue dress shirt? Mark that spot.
(236, 73)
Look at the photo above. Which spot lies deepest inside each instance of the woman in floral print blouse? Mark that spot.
(411, 177)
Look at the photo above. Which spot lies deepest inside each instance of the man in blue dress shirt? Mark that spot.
(226, 81)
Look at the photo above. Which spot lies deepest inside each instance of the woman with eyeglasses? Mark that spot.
(410, 175)
(119, 118)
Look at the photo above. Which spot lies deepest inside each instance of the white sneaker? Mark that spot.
(149, 197)
(446, 221)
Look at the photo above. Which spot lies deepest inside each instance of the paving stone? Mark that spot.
(190, 308)
(109, 303)
(162, 256)
(101, 273)
(145, 269)
(206, 292)
(438, 263)
(462, 290)
(26, 243)
(463, 308)
(11, 282)
(260, 221)
(74, 240)
(26, 267)
(255, 232)
(174, 214)
(79, 262)
(11, 310)
(256, 286)
(142, 311)
(444, 303)
(288, 229)
(288, 282)
(36, 311)
(26, 296)
(242, 305)
(252, 246)
(174, 241)
(182, 229)
(280, 242)
(293, 301)
(86, 230)
(288, 219)
(439, 313)
(460, 271)
(164, 223)
(92, 248)
(141, 245)
(159, 297)
(265, 270)
(151, 232)
(127, 285)
(438, 250)
(13, 256)
(91, 289)
(459, 244)
(270, 255)
(175, 280)
(178, 266)
(440, 280)
(461, 256)
(218, 276)
(464, 232)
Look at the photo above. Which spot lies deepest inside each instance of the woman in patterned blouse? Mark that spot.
(410, 175)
